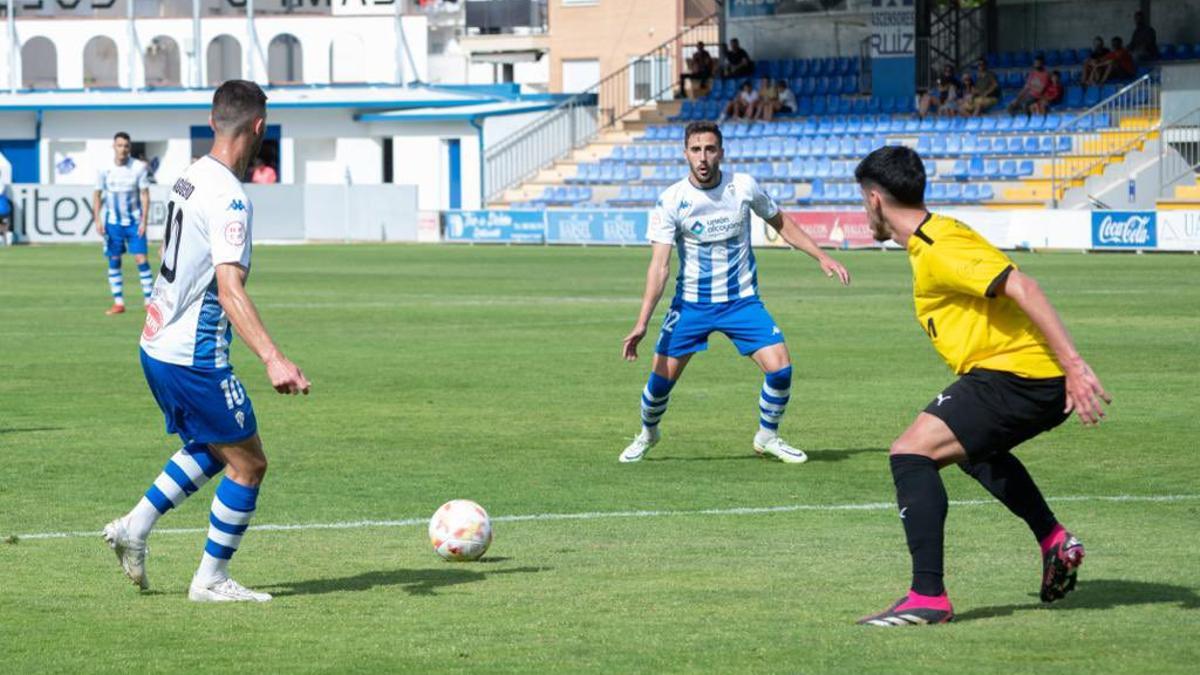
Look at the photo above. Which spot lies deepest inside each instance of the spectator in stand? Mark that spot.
(262, 173)
(787, 100)
(966, 95)
(1117, 64)
(700, 71)
(768, 98)
(1051, 96)
(1144, 42)
(1035, 84)
(942, 99)
(1094, 60)
(742, 105)
(986, 91)
(737, 61)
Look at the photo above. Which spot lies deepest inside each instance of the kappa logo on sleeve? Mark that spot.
(237, 205)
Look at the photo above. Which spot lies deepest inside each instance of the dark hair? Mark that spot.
(122, 134)
(1117, 41)
(1039, 57)
(896, 169)
(235, 105)
(694, 128)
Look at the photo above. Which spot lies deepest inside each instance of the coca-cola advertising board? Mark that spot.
(829, 229)
(1124, 229)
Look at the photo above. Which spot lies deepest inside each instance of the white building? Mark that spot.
(347, 82)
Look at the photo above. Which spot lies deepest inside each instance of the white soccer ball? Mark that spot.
(460, 530)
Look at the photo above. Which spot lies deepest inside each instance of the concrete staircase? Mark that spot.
(622, 133)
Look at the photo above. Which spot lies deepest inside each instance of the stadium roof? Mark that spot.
(465, 112)
(365, 96)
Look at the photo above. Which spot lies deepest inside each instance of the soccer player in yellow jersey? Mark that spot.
(1019, 373)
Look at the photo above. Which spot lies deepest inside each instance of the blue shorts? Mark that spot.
(686, 327)
(118, 237)
(201, 405)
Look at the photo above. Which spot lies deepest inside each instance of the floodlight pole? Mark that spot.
(197, 73)
(251, 41)
(134, 49)
(12, 50)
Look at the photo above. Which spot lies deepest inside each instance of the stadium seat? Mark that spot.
(930, 168)
(938, 193)
(1025, 168)
(986, 193)
(975, 167)
(1008, 169)
(937, 146)
(1091, 97)
(954, 192)
(960, 170)
(991, 169)
(970, 193)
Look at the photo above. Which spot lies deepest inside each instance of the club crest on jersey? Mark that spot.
(235, 233)
(237, 205)
(241, 418)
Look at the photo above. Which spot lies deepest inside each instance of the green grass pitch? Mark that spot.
(494, 374)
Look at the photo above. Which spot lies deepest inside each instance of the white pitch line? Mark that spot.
(597, 515)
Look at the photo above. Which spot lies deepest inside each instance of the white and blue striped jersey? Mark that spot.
(121, 186)
(208, 224)
(710, 228)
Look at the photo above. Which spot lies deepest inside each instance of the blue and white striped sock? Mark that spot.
(147, 279)
(655, 398)
(232, 508)
(772, 403)
(187, 471)
(114, 281)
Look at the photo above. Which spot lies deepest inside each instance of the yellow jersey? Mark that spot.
(955, 276)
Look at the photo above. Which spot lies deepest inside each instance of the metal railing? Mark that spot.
(651, 77)
(1180, 140)
(1086, 143)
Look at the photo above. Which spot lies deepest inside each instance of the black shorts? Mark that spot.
(991, 411)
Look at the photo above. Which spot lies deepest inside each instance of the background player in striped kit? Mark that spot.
(707, 217)
(199, 294)
(119, 207)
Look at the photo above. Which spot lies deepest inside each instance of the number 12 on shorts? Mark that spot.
(235, 395)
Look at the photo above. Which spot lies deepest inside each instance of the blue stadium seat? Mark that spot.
(970, 193)
(938, 192)
(1064, 143)
(986, 193)
(1020, 123)
(846, 147)
(926, 124)
(863, 146)
(937, 146)
(961, 170)
(991, 169)
(1031, 145)
(930, 168)
(1008, 169)
(954, 192)
(1074, 98)
(953, 144)
(816, 194)
(1025, 168)
(1091, 97)
(824, 168)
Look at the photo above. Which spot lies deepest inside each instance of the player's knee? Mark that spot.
(780, 379)
(906, 446)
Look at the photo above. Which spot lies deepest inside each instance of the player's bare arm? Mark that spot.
(796, 238)
(96, 213)
(1084, 391)
(656, 281)
(285, 376)
(145, 197)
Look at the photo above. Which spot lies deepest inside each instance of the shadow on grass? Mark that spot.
(25, 430)
(841, 455)
(720, 458)
(1100, 594)
(414, 582)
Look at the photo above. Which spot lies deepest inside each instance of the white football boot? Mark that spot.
(771, 444)
(640, 446)
(131, 553)
(226, 590)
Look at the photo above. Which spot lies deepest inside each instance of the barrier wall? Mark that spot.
(847, 229)
(55, 214)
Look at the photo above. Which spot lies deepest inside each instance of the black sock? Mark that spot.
(923, 503)
(1006, 478)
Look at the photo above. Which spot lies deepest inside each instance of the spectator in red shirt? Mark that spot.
(1051, 95)
(262, 174)
(1035, 85)
(1117, 64)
